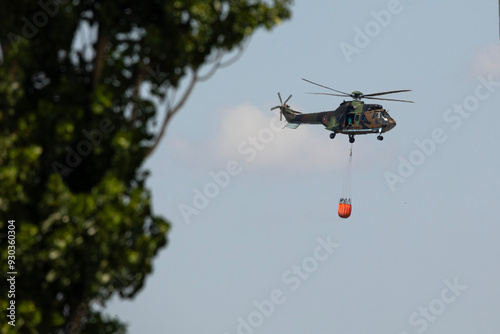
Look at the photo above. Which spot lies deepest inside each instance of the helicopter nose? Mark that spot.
(392, 123)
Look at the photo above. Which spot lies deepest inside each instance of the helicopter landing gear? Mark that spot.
(332, 135)
(351, 139)
(379, 137)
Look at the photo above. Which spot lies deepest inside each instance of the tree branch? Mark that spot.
(218, 63)
(99, 58)
(141, 73)
(75, 319)
(171, 111)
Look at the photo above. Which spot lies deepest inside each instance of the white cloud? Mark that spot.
(257, 138)
(486, 61)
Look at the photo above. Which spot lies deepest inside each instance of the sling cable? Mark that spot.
(345, 205)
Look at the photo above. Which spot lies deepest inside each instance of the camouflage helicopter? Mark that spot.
(351, 117)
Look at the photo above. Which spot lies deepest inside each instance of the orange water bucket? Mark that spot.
(344, 210)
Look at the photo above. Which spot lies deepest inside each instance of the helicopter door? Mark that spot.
(349, 120)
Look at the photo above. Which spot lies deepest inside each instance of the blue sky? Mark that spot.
(268, 253)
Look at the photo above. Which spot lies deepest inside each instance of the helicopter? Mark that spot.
(351, 117)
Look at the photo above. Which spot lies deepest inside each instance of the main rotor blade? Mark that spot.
(391, 92)
(338, 91)
(346, 95)
(379, 98)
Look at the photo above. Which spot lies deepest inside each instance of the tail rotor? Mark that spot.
(282, 105)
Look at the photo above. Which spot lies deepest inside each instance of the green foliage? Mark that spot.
(74, 133)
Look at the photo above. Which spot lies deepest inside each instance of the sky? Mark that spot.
(256, 245)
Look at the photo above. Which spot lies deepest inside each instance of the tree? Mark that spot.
(79, 86)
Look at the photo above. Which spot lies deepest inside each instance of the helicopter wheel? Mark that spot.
(351, 139)
(380, 138)
(332, 135)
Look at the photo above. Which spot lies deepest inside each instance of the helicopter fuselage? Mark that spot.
(351, 118)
